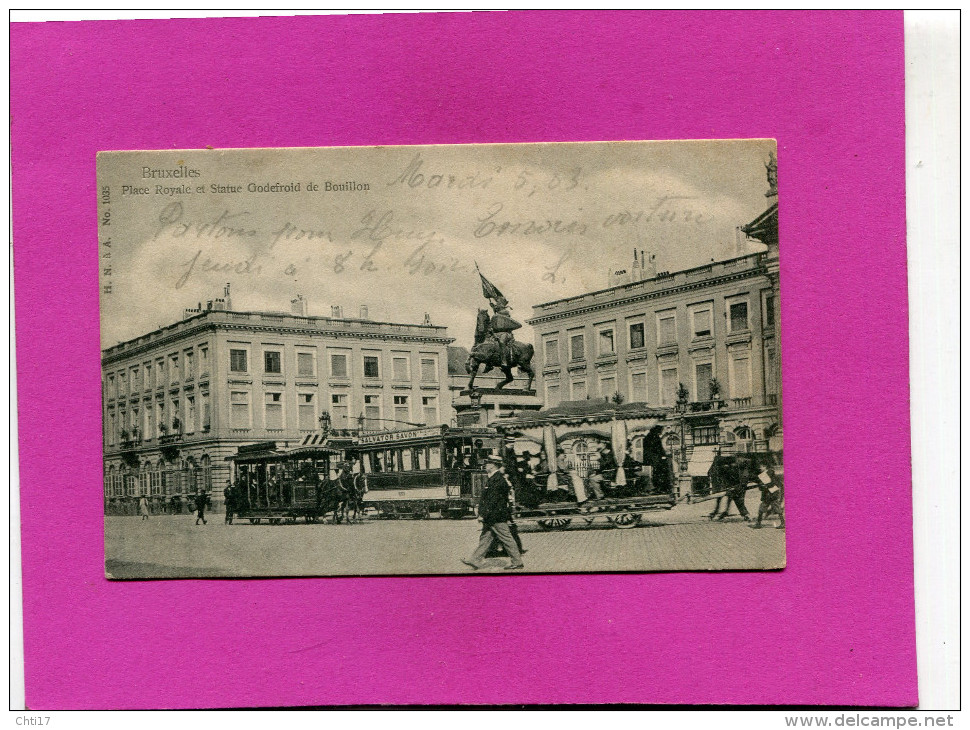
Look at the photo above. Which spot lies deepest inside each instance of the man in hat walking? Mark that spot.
(495, 514)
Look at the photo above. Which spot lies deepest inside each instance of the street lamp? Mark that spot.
(325, 422)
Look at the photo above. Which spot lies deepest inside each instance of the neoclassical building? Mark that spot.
(701, 345)
(179, 400)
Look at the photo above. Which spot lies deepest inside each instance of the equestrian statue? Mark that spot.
(495, 347)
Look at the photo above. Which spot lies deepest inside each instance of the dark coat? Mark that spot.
(494, 505)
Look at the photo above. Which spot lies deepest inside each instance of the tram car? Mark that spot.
(585, 461)
(429, 471)
(274, 485)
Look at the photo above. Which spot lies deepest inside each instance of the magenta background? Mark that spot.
(835, 627)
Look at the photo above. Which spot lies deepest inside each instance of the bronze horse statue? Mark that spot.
(487, 351)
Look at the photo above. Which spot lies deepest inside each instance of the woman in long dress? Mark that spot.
(143, 507)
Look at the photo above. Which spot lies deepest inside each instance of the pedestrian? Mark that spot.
(229, 497)
(734, 475)
(143, 507)
(201, 501)
(495, 513)
(772, 487)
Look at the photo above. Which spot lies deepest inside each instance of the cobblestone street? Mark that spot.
(680, 539)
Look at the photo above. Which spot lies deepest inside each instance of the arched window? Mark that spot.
(636, 448)
(143, 473)
(745, 438)
(155, 478)
(190, 475)
(109, 481)
(205, 473)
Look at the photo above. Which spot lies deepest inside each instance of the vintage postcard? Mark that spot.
(460, 359)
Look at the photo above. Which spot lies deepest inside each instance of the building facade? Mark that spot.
(179, 400)
(701, 345)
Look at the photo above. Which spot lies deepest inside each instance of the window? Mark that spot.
(607, 386)
(771, 376)
(306, 364)
(112, 393)
(190, 414)
(668, 386)
(638, 387)
(402, 411)
(149, 376)
(636, 335)
(552, 351)
(239, 402)
(177, 424)
(703, 372)
(740, 377)
(399, 366)
(189, 364)
(577, 349)
(578, 390)
(372, 412)
(702, 322)
(606, 344)
(272, 361)
(135, 381)
(238, 361)
(371, 366)
(429, 405)
(306, 414)
(112, 425)
(429, 370)
(161, 416)
(274, 411)
(705, 435)
(206, 414)
(339, 410)
(160, 367)
(149, 427)
(338, 365)
(173, 368)
(738, 314)
(552, 394)
(667, 327)
(769, 309)
(203, 360)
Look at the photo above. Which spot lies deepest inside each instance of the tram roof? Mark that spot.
(583, 411)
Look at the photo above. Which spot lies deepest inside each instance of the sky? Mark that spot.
(541, 221)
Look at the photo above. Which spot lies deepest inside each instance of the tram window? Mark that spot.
(407, 456)
(378, 461)
(434, 457)
(421, 455)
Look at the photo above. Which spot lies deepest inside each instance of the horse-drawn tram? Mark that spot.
(584, 461)
(426, 471)
(275, 485)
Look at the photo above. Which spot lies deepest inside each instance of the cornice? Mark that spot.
(645, 296)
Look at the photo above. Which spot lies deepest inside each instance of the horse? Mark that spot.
(353, 489)
(487, 351)
(330, 497)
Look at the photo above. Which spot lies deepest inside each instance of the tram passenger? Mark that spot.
(605, 473)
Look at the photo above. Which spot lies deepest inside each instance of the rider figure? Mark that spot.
(502, 326)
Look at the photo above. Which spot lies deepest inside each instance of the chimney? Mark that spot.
(363, 311)
(739, 246)
(336, 312)
(649, 266)
(298, 306)
(228, 301)
(427, 319)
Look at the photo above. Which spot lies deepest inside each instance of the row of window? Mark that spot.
(151, 420)
(339, 363)
(701, 323)
(158, 479)
(402, 411)
(159, 372)
(697, 382)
